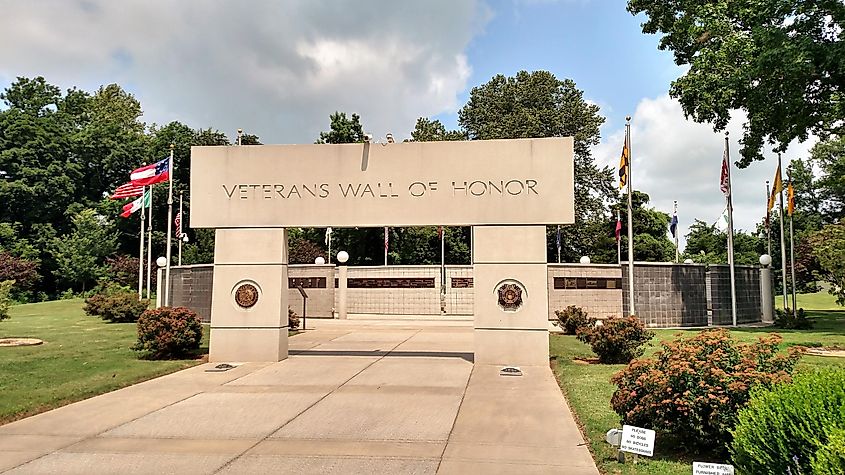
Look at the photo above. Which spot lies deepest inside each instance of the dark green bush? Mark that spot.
(616, 340)
(790, 320)
(118, 307)
(693, 388)
(169, 332)
(293, 319)
(5, 298)
(789, 426)
(830, 458)
(572, 318)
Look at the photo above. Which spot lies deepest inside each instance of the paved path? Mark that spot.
(395, 397)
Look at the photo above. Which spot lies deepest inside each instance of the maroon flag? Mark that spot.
(127, 190)
(440, 232)
(618, 228)
(725, 181)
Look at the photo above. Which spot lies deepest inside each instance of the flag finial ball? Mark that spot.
(172, 146)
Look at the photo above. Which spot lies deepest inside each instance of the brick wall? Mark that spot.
(190, 286)
(594, 287)
(318, 283)
(748, 298)
(668, 295)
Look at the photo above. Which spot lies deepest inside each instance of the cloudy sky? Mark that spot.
(279, 68)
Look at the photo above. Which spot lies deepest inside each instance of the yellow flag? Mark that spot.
(623, 166)
(790, 194)
(776, 188)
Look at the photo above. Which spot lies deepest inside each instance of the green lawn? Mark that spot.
(817, 301)
(588, 387)
(81, 357)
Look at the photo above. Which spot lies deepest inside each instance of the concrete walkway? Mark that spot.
(391, 397)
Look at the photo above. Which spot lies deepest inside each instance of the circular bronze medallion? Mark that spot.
(246, 295)
(510, 296)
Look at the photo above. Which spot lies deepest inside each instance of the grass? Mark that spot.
(817, 301)
(588, 388)
(82, 356)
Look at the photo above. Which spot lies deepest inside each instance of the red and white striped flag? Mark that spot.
(386, 239)
(127, 190)
(178, 223)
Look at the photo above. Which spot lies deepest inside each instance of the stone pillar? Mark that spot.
(767, 296)
(510, 281)
(249, 303)
(341, 291)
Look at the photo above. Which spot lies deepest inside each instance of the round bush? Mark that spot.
(792, 426)
(572, 318)
(616, 340)
(169, 332)
(693, 388)
(118, 307)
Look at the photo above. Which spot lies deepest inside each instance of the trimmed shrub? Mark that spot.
(794, 427)
(572, 318)
(293, 319)
(5, 298)
(693, 388)
(168, 332)
(117, 307)
(791, 320)
(830, 459)
(616, 340)
(123, 269)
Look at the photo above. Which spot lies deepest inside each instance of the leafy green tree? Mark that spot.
(537, 104)
(80, 255)
(706, 244)
(38, 177)
(829, 248)
(427, 130)
(829, 156)
(343, 129)
(781, 61)
(651, 241)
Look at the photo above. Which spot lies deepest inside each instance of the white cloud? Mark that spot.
(276, 69)
(678, 159)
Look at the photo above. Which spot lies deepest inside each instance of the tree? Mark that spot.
(829, 156)
(651, 241)
(829, 248)
(427, 130)
(343, 129)
(709, 245)
(80, 254)
(537, 104)
(781, 61)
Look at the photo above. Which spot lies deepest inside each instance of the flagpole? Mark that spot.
(676, 232)
(792, 250)
(631, 309)
(179, 237)
(150, 244)
(782, 239)
(731, 232)
(141, 252)
(329, 236)
(768, 221)
(442, 260)
(169, 228)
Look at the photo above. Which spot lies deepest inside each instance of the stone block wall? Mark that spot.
(667, 295)
(190, 286)
(748, 297)
(597, 288)
(318, 283)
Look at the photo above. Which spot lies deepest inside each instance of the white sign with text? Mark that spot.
(704, 468)
(637, 440)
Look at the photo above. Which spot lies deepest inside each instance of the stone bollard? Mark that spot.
(767, 296)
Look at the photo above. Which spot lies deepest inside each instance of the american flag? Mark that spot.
(127, 190)
(178, 223)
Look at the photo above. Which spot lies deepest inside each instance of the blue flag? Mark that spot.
(673, 226)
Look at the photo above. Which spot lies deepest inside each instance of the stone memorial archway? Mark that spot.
(507, 190)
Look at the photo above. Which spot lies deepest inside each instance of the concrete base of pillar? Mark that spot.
(248, 344)
(510, 334)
